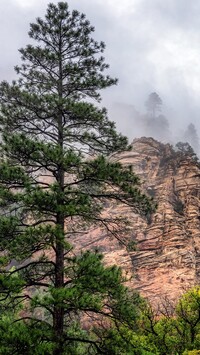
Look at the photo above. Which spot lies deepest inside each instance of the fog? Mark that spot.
(151, 46)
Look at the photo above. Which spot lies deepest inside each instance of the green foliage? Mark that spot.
(90, 289)
(176, 333)
(132, 245)
(188, 315)
(125, 342)
(51, 189)
(185, 150)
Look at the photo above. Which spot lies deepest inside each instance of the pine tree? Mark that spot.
(153, 104)
(50, 187)
(191, 137)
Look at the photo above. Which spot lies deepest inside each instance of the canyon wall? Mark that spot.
(163, 259)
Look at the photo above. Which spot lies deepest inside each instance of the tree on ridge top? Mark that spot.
(153, 104)
(191, 136)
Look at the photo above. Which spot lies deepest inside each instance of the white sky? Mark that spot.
(152, 45)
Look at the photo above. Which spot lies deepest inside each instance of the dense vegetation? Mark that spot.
(55, 177)
(141, 330)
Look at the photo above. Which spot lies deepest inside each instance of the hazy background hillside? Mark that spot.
(151, 46)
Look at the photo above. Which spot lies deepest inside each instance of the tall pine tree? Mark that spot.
(153, 104)
(50, 187)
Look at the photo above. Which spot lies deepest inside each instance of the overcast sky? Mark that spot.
(150, 46)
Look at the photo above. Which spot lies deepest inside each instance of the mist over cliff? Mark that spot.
(150, 46)
(135, 124)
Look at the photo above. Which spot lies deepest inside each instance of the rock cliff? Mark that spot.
(164, 252)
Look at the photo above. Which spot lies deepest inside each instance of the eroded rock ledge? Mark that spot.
(166, 259)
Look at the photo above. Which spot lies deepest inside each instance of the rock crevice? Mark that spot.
(166, 255)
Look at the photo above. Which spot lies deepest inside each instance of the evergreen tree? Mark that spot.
(185, 150)
(156, 125)
(153, 104)
(51, 188)
(191, 137)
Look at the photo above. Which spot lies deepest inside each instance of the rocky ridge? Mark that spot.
(164, 252)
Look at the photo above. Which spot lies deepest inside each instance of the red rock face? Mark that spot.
(165, 261)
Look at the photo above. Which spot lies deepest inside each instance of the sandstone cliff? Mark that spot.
(164, 253)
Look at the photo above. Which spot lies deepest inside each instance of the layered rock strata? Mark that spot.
(164, 252)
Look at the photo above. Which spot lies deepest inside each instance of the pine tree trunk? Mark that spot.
(58, 315)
